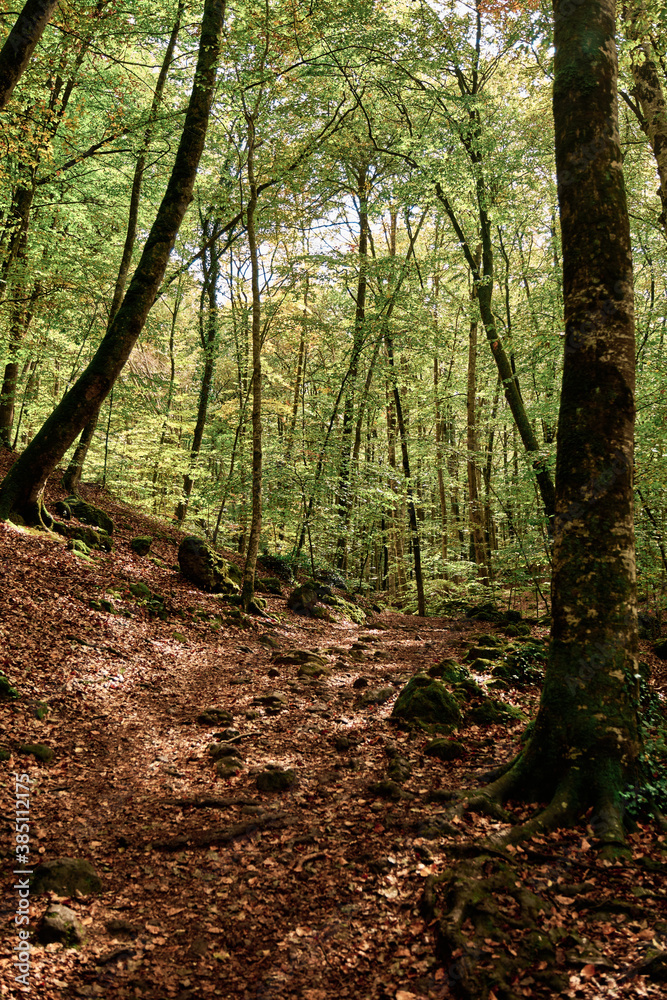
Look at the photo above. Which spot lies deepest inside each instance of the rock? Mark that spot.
(483, 653)
(299, 656)
(490, 711)
(215, 717)
(7, 690)
(311, 669)
(275, 779)
(660, 648)
(86, 512)
(399, 769)
(78, 547)
(66, 876)
(280, 566)
(388, 789)
(376, 696)
(61, 924)
(38, 750)
(346, 608)
(140, 591)
(269, 585)
(273, 672)
(227, 734)
(361, 682)
(269, 640)
(223, 751)
(427, 702)
(93, 538)
(141, 544)
(276, 699)
(344, 743)
(201, 565)
(445, 749)
(304, 598)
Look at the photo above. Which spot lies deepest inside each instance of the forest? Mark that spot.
(364, 300)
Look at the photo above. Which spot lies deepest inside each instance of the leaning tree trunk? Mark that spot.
(22, 490)
(585, 744)
(21, 43)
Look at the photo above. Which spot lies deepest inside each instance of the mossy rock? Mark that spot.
(62, 925)
(275, 779)
(92, 537)
(448, 669)
(299, 656)
(445, 749)
(376, 696)
(482, 666)
(516, 631)
(313, 669)
(305, 598)
(483, 653)
(215, 717)
(427, 702)
(141, 545)
(7, 690)
(78, 547)
(140, 591)
(269, 585)
(37, 750)
(86, 512)
(487, 639)
(206, 569)
(346, 608)
(490, 711)
(66, 876)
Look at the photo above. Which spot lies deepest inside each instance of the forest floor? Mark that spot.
(314, 892)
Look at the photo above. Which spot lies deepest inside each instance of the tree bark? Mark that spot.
(20, 45)
(585, 744)
(248, 589)
(22, 490)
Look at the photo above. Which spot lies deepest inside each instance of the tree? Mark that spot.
(585, 743)
(21, 491)
(20, 45)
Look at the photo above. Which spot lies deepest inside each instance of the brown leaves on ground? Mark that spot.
(313, 892)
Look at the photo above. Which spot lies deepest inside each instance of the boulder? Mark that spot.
(66, 876)
(445, 749)
(141, 544)
(61, 924)
(86, 512)
(428, 703)
(201, 565)
(303, 599)
(275, 779)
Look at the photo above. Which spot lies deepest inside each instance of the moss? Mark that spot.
(427, 702)
(7, 690)
(37, 750)
(490, 711)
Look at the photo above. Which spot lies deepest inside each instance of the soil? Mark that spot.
(213, 888)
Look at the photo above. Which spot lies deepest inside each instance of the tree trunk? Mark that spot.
(22, 490)
(248, 589)
(209, 339)
(412, 511)
(21, 43)
(585, 744)
(475, 516)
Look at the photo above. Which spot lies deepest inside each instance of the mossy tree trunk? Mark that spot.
(22, 489)
(21, 42)
(585, 743)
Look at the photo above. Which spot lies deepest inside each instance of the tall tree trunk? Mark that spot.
(209, 340)
(20, 45)
(72, 476)
(412, 510)
(343, 497)
(585, 744)
(22, 490)
(248, 589)
(475, 516)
